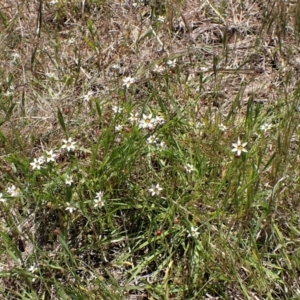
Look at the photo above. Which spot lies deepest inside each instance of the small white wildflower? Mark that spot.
(115, 67)
(50, 156)
(199, 125)
(158, 69)
(71, 208)
(33, 268)
(98, 202)
(88, 96)
(128, 81)
(265, 127)
(222, 127)
(52, 2)
(68, 144)
(204, 69)
(119, 127)
(13, 191)
(193, 232)
(16, 56)
(147, 122)
(171, 63)
(155, 190)
(161, 145)
(8, 93)
(71, 40)
(51, 75)
(117, 109)
(239, 147)
(161, 19)
(151, 139)
(36, 164)
(134, 117)
(69, 180)
(99, 195)
(1, 198)
(159, 120)
(189, 168)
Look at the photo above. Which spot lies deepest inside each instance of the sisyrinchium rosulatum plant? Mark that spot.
(149, 150)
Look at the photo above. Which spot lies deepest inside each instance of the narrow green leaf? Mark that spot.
(66, 249)
(61, 121)
(98, 108)
(90, 27)
(269, 162)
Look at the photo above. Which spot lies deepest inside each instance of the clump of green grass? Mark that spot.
(147, 154)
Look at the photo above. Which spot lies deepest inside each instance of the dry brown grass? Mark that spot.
(245, 51)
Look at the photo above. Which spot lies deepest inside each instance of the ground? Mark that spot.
(149, 149)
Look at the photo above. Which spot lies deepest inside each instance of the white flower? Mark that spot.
(151, 139)
(158, 69)
(239, 147)
(193, 232)
(161, 19)
(70, 207)
(189, 168)
(155, 190)
(265, 127)
(222, 127)
(36, 164)
(147, 122)
(51, 75)
(171, 63)
(199, 125)
(117, 109)
(33, 268)
(99, 195)
(8, 93)
(119, 128)
(98, 202)
(69, 180)
(88, 96)
(69, 144)
(115, 67)
(128, 81)
(159, 120)
(1, 198)
(71, 41)
(16, 56)
(203, 69)
(162, 145)
(50, 156)
(134, 117)
(13, 191)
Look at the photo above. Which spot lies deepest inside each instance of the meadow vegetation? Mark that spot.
(149, 149)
